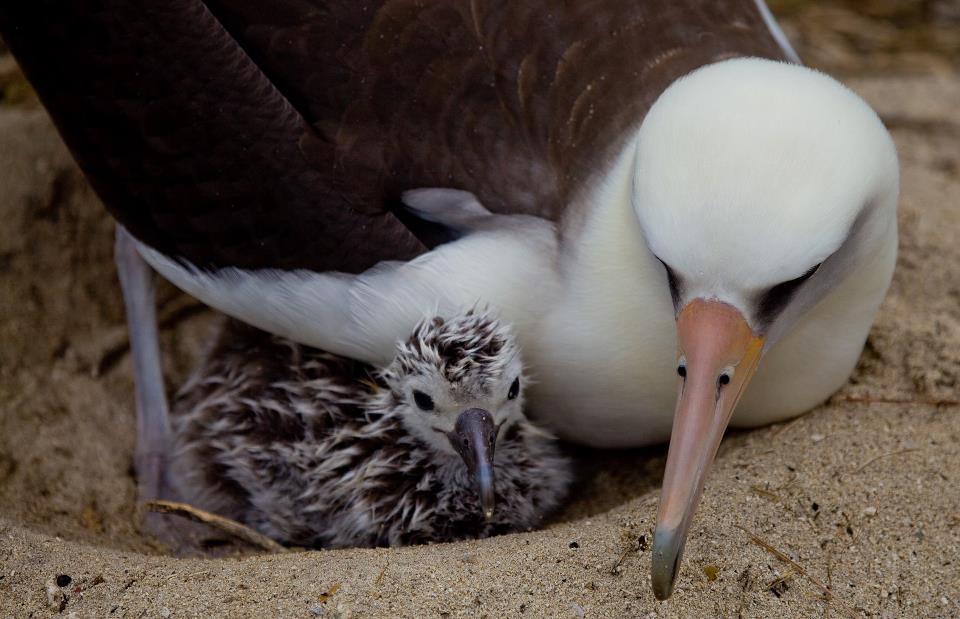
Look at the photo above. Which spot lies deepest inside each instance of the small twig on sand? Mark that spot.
(623, 556)
(866, 399)
(638, 546)
(774, 585)
(773, 496)
(885, 455)
(383, 572)
(779, 554)
(224, 525)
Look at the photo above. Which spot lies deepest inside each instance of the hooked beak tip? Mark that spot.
(667, 552)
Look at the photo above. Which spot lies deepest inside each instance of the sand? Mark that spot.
(862, 495)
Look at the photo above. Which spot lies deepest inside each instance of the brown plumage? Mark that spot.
(279, 134)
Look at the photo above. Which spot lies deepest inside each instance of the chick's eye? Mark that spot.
(514, 389)
(424, 402)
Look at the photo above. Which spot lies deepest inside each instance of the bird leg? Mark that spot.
(151, 458)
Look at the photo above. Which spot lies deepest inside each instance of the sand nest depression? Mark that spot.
(851, 510)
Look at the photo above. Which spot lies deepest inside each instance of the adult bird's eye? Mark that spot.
(796, 282)
(776, 298)
(514, 389)
(424, 402)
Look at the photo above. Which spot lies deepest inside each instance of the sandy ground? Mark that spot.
(860, 496)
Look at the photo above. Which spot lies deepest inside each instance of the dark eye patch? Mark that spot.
(674, 281)
(775, 299)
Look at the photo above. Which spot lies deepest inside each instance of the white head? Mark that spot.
(456, 384)
(752, 173)
(760, 185)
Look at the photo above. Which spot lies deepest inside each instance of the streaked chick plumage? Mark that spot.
(317, 450)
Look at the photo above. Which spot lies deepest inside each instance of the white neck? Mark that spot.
(612, 327)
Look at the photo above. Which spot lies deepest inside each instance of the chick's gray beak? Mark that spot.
(474, 437)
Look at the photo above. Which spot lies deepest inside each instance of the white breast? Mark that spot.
(604, 355)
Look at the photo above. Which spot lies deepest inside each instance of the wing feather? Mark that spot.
(280, 133)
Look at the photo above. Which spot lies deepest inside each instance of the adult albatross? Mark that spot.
(660, 205)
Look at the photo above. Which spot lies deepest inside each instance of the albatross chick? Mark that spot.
(317, 450)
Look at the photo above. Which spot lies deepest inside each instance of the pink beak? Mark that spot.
(719, 353)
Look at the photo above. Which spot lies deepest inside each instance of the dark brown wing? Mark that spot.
(187, 141)
(279, 133)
